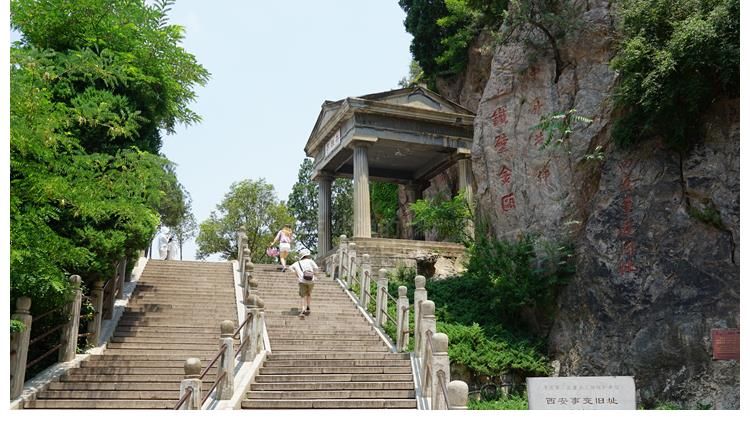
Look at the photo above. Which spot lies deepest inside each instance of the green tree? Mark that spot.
(447, 217)
(675, 59)
(249, 203)
(303, 206)
(187, 227)
(384, 208)
(85, 121)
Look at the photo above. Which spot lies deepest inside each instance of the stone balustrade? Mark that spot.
(430, 347)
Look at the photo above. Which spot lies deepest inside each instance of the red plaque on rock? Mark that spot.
(726, 343)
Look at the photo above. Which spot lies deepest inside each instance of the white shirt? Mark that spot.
(300, 266)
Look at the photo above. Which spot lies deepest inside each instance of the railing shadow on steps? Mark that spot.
(390, 317)
(66, 322)
(236, 369)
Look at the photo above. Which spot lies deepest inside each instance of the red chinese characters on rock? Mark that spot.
(508, 202)
(536, 108)
(505, 174)
(538, 137)
(500, 116)
(543, 174)
(501, 143)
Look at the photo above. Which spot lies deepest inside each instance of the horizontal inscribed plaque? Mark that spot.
(582, 392)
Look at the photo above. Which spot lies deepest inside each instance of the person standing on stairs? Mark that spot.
(305, 269)
(284, 237)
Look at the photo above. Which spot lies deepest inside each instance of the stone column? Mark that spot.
(402, 320)
(192, 371)
(342, 256)
(413, 192)
(426, 323)
(95, 325)
(362, 227)
(440, 365)
(465, 184)
(19, 347)
(69, 333)
(458, 395)
(420, 295)
(324, 214)
(381, 299)
(225, 390)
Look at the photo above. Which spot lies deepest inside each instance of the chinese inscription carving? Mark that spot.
(588, 392)
(508, 202)
(500, 116)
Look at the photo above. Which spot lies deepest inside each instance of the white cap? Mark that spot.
(304, 253)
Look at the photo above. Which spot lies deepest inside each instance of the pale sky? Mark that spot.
(273, 64)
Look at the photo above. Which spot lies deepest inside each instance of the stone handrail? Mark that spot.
(21, 340)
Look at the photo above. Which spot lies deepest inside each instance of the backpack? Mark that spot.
(307, 273)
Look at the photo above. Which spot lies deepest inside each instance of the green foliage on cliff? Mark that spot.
(447, 217)
(444, 29)
(384, 207)
(676, 58)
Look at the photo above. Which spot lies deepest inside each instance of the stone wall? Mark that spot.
(653, 277)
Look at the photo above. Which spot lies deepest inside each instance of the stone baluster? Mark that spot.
(247, 271)
(426, 323)
(381, 298)
(364, 281)
(241, 240)
(342, 255)
(402, 320)
(19, 346)
(69, 332)
(245, 258)
(254, 305)
(225, 390)
(121, 278)
(252, 288)
(192, 372)
(420, 295)
(95, 325)
(351, 263)
(440, 364)
(458, 395)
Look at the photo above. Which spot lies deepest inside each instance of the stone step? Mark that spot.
(302, 335)
(332, 394)
(334, 363)
(96, 395)
(320, 355)
(169, 323)
(137, 363)
(298, 370)
(166, 340)
(343, 377)
(129, 355)
(175, 349)
(285, 348)
(331, 404)
(331, 386)
(171, 378)
(204, 337)
(175, 369)
(103, 404)
(124, 386)
(177, 331)
(328, 344)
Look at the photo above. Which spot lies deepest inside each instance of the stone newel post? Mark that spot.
(192, 371)
(426, 323)
(342, 256)
(441, 367)
(402, 319)
(350, 263)
(247, 274)
(69, 333)
(19, 347)
(254, 307)
(381, 299)
(458, 395)
(95, 325)
(121, 278)
(420, 295)
(364, 281)
(245, 257)
(225, 390)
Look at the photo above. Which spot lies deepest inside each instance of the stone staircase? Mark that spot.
(332, 358)
(174, 313)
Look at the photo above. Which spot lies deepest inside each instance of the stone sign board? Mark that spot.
(725, 343)
(582, 392)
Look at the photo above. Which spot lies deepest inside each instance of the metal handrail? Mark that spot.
(188, 394)
(237, 333)
(443, 388)
(47, 333)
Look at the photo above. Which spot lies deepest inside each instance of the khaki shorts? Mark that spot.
(305, 289)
